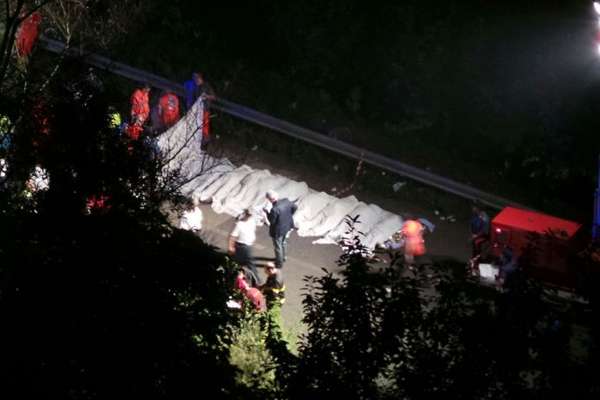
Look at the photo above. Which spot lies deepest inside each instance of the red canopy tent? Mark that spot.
(549, 241)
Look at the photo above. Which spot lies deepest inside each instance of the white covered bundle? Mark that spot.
(232, 189)
(291, 190)
(367, 216)
(310, 205)
(223, 186)
(383, 229)
(259, 200)
(206, 176)
(243, 196)
(328, 218)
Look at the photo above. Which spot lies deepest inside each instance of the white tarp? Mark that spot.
(310, 205)
(206, 177)
(225, 185)
(328, 218)
(242, 196)
(368, 216)
(385, 228)
(232, 189)
(291, 190)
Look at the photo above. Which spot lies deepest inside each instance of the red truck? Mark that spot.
(548, 242)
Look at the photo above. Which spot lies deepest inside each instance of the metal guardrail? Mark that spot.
(293, 130)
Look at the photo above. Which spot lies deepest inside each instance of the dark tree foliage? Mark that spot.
(432, 333)
(105, 307)
(111, 304)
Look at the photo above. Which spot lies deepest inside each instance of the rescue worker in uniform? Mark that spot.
(274, 292)
(114, 118)
(168, 109)
(140, 105)
(414, 244)
(274, 288)
(140, 111)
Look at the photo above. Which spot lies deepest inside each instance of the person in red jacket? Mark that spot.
(140, 105)
(251, 293)
(168, 109)
(133, 131)
(27, 34)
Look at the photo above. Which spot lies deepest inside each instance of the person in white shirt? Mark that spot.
(191, 220)
(241, 240)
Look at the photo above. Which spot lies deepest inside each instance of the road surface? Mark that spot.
(448, 241)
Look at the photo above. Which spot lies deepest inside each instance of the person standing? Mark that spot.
(414, 244)
(480, 230)
(194, 89)
(241, 240)
(274, 292)
(274, 288)
(140, 111)
(168, 110)
(140, 105)
(281, 223)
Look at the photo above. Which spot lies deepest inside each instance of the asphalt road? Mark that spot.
(303, 259)
(448, 241)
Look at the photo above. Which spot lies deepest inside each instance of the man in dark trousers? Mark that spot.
(241, 240)
(281, 223)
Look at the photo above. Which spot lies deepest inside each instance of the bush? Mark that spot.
(250, 354)
(427, 334)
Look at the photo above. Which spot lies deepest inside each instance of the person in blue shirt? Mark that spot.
(195, 88)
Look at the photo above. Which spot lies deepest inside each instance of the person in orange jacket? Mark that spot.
(140, 105)
(414, 244)
(168, 109)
